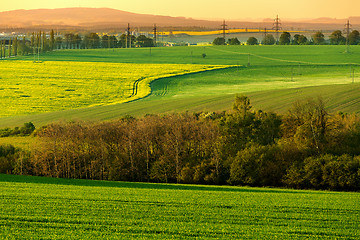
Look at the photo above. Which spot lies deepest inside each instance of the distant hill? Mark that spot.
(84, 17)
(105, 18)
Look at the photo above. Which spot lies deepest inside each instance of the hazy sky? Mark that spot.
(209, 9)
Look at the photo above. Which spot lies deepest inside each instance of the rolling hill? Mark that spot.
(104, 18)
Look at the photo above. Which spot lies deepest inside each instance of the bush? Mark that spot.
(26, 130)
(326, 172)
(256, 166)
(252, 41)
(219, 41)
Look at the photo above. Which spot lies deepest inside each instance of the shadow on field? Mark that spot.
(157, 186)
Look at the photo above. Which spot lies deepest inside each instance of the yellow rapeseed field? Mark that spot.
(27, 87)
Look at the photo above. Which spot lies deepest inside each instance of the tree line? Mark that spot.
(304, 148)
(318, 38)
(40, 42)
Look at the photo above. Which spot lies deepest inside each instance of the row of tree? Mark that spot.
(305, 148)
(40, 42)
(336, 38)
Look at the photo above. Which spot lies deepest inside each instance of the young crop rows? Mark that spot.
(77, 209)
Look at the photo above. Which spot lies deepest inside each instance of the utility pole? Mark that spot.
(9, 47)
(224, 30)
(155, 33)
(352, 73)
(277, 27)
(347, 31)
(128, 38)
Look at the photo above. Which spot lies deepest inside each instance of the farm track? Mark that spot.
(135, 87)
(164, 92)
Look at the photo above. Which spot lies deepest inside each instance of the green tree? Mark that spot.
(24, 49)
(256, 165)
(122, 41)
(252, 41)
(143, 41)
(9, 50)
(1, 49)
(336, 38)
(77, 41)
(285, 38)
(300, 39)
(91, 40)
(318, 38)
(105, 42)
(45, 46)
(58, 42)
(233, 41)
(52, 39)
(69, 40)
(15, 44)
(219, 41)
(307, 124)
(237, 129)
(354, 37)
(113, 42)
(268, 40)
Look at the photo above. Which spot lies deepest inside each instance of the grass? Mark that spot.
(342, 97)
(215, 55)
(47, 208)
(20, 142)
(246, 80)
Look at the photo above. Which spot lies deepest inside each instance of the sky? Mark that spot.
(208, 9)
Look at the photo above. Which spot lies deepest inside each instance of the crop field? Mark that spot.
(28, 87)
(47, 208)
(282, 55)
(276, 77)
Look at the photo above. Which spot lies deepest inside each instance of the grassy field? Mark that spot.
(344, 97)
(277, 76)
(215, 55)
(48, 208)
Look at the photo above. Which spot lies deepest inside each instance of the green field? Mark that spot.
(49, 208)
(277, 76)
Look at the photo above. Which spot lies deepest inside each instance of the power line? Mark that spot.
(224, 30)
(128, 37)
(277, 27)
(347, 31)
(155, 33)
(265, 32)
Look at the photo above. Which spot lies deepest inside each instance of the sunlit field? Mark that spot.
(28, 87)
(273, 76)
(48, 208)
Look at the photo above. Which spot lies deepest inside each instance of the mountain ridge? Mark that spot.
(88, 17)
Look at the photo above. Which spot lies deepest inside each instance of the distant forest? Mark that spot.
(318, 38)
(305, 148)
